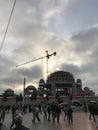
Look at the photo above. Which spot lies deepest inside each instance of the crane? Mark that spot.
(46, 56)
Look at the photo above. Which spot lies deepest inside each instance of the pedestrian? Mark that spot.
(35, 112)
(49, 111)
(18, 123)
(91, 111)
(2, 114)
(70, 115)
(53, 109)
(58, 111)
(96, 114)
(16, 113)
(65, 112)
(45, 112)
(40, 107)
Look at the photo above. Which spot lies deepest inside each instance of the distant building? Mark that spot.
(9, 92)
(60, 82)
(29, 90)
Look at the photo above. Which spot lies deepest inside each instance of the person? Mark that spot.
(65, 112)
(96, 114)
(53, 109)
(2, 114)
(45, 112)
(16, 113)
(18, 123)
(35, 112)
(70, 115)
(91, 111)
(58, 111)
(49, 111)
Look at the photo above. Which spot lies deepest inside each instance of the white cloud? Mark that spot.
(37, 26)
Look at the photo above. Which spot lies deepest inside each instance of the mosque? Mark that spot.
(60, 82)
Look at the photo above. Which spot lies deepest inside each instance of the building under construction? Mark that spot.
(60, 82)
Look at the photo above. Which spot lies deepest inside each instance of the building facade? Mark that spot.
(60, 82)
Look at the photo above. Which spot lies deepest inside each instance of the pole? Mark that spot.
(24, 91)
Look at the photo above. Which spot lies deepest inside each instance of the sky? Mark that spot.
(67, 27)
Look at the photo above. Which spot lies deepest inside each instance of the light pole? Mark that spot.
(24, 92)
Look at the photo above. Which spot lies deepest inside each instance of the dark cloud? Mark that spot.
(71, 68)
(86, 40)
(32, 73)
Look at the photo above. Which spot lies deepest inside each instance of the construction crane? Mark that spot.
(47, 56)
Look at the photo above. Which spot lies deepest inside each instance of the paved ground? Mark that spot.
(80, 122)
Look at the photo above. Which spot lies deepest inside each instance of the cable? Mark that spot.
(7, 26)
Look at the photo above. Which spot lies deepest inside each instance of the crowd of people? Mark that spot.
(50, 112)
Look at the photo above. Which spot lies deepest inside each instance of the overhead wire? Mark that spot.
(7, 26)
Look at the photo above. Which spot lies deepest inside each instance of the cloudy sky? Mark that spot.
(67, 27)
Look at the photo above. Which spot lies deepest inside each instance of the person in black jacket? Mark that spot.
(70, 114)
(58, 111)
(18, 123)
(91, 111)
(96, 114)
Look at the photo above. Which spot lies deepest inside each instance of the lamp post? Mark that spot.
(24, 91)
